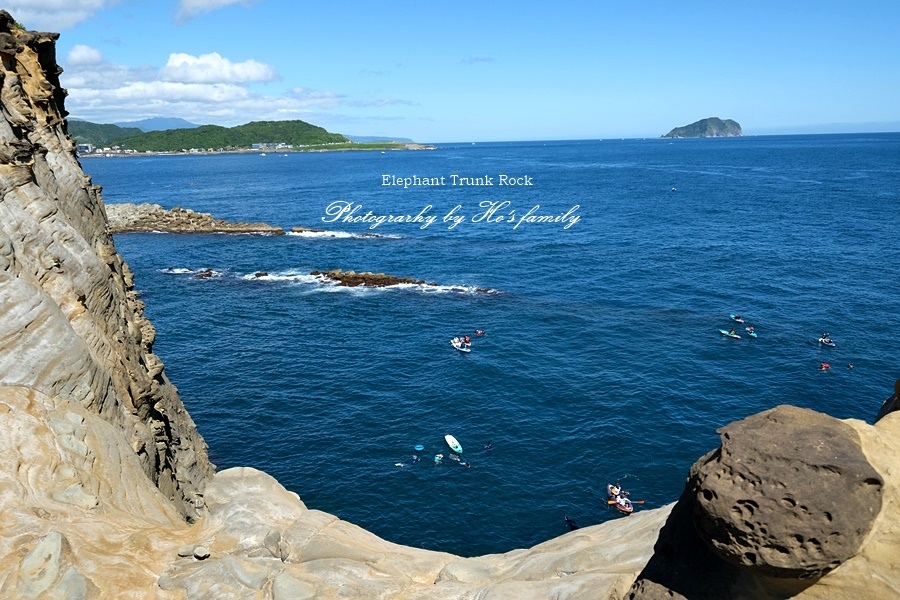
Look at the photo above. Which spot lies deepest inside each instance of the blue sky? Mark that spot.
(479, 71)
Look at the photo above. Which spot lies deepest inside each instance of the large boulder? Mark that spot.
(790, 493)
(788, 497)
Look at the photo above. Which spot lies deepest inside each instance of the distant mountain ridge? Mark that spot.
(374, 139)
(158, 124)
(711, 127)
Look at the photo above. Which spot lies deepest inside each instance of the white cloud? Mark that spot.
(103, 92)
(316, 99)
(81, 55)
(188, 9)
(214, 68)
(53, 15)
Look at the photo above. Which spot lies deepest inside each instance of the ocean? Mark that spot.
(602, 359)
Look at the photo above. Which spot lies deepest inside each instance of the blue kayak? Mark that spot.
(729, 334)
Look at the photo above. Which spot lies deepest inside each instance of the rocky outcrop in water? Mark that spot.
(124, 218)
(102, 470)
(366, 278)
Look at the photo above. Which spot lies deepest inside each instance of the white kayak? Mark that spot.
(454, 445)
(460, 345)
(729, 334)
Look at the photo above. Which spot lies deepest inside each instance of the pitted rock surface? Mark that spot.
(790, 493)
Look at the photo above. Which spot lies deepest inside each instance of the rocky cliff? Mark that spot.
(106, 490)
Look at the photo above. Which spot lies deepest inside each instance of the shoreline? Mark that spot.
(261, 152)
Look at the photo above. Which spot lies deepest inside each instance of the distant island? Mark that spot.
(711, 127)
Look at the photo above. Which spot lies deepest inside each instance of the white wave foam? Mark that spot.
(343, 235)
(288, 276)
(198, 273)
(323, 283)
(427, 288)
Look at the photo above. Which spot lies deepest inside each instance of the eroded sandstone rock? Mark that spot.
(72, 325)
(124, 218)
(790, 493)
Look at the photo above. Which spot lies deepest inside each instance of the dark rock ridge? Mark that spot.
(788, 497)
(126, 218)
(366, 278)
(890, 405)
(711, 127)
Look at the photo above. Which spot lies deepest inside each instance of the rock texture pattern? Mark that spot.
(106, 490)
(72, 327)
(124, 218)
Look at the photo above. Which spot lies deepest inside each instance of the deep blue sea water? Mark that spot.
(602, 360)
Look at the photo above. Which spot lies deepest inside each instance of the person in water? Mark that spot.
(571, 523)
(479, 332)
(489, 445)
(825, 366)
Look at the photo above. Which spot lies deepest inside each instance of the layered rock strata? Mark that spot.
(125, 218)
(72, 327)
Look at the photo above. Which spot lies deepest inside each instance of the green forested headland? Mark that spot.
(99, 134)
(295, 133)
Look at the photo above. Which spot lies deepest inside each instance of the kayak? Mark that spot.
(610, 495)
(622, 504)
(454, 445)
(736, 318)
(729, 334)
(459, 345)
(828, 342)
(751, 333)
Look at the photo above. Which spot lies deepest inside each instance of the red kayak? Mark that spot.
(622, 504)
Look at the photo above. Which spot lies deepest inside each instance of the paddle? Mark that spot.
(633, 501)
